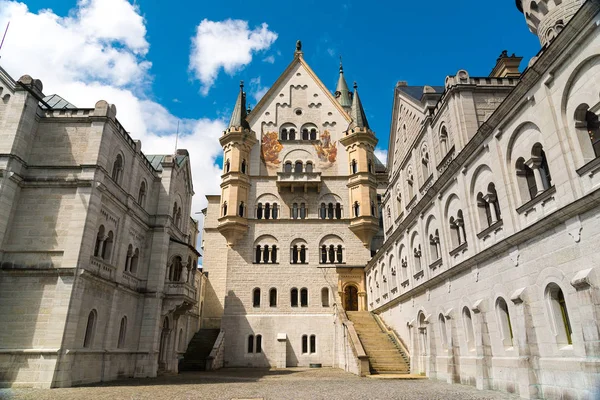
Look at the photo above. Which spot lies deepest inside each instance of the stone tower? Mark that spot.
(547, 18)
(237, 142)
(360, 144)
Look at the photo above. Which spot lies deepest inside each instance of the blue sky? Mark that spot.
(138, 56)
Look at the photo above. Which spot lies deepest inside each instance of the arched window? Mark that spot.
(434, 242)
(338, 211)
(251, 344)
(323, 213)
(266, 254)
(142, 194)
(273, 297)
(259, 343)
(90, 330)
(411, 189)
(294, 297)
(330, 210)
(274, 254)
(175, 269)
(259, 211)
(313, 134)
(373, 210)
(443, 333)
(298, 167)
(526, 180)
(304, 344)
(444, 141)
(425, 164)
(340, 254)
(485, 216)
(241, 209)
(331, 254)
(178, 218)
(284, 134)
(287, 167)
(99, 242)
(302, 211)
(325, 297)
(134, 261)
(128, 258)
(304, 134)
(354, 167)
(468, 327)
(243, 167)
(313, 344)
(370, 166)
(504, 322)
(295, 254)
(417, 257)
(399, 200)
(588, 131)
(302, 254)
(258, 254)
(117, 171)
(107, 248)
(227, 166)
(122, 333)
(224, 208)
(309, 167)
(256, 297)
(304, 297)
(559, 314)
(267, 211)
(275, 212)
(323, 254)
(356, 209)
(295, 211)
(292, 134)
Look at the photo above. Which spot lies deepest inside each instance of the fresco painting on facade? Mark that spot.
(326, 150)
(270, 149)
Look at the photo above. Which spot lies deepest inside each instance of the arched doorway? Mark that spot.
(351, 298)
(164, 341)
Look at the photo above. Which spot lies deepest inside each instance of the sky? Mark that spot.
(162, 63)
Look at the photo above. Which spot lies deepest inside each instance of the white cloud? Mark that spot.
(269, 59)
(381, 154)
(256, 90)
(98, 52)
(227, 45)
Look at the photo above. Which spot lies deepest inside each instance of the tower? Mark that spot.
(360, 142)
(342, 94)
(237, 142)
(547, 18)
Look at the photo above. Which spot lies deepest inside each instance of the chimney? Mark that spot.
(506, 66)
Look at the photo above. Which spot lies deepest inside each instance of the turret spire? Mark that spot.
(238, 117)
(342, 94)
(359, 119)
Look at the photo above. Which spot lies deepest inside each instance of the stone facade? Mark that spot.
(97, 262)
(297, 165)
(489, 267)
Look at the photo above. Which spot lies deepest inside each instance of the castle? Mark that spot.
(470, 258)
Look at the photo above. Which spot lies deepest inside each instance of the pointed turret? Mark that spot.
(359, 119)
(238, 117)
(360, 144)
(342, 94)
(237, 142)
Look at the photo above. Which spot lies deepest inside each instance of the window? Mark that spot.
(444, 141)
(251, 344)
(175, 270)
(488, 207)
(294, 297)
(323, 212)
(302, 211)
(304, 344)
(287, 167)
(443, 333)
(302, 254)
(417, 254)
(313, 344)
(526, 180)
(425, 164)
(304, 297)
(224, 208)
(434, 243)
(331, 254)
(504, 322)
(256, 297)
(292, 134)
(134, 261)
(88, 340)
(99, 242)
(284, 134)
(354, 167)
(309, 167)
(588, 131)
(373, 210)
(468, 327)
(267, 211)
(325, 297)
(227, 166)
(330, 210)
(128, 257)
(180, 344)
(258, 254)
(275, 211)
(295, 211)
(370, 166)
(356, 209)
(305, 134)
(259, 343)
(107, 247)
(313, 134)
(338, 211)
(323, 254)
(533, 175)
(273, 254)
(273, 297)
(259, 211)
(122, 333)
(457, 228)
(298, 167)
(142, 194)
(299, 254)
(339, 254)
(266, 254)
(241, 209)
(243, 167)
(411, 190)
(559, 315)
(117, 171)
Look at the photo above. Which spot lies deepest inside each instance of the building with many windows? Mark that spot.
(489, 270)
(97, 260)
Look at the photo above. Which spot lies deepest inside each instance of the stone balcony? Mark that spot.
(179, 296)
(101, 268)
(299, 181)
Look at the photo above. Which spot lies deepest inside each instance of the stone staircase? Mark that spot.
(385, 357)
(199, 349)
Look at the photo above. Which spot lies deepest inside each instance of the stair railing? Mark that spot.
(361, 358)
(215, 359)
(393, 334)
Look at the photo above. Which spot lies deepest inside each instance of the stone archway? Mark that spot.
(351, 298)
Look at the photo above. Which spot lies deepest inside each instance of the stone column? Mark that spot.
(490, 199)
(534, 163)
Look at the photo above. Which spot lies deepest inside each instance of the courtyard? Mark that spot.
(296, 383)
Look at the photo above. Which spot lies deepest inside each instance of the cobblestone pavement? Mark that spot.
(326, 383)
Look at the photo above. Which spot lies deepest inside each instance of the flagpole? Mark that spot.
(4, 36)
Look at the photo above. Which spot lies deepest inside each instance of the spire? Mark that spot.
(359, 119)
(342, 94)
(238, 117)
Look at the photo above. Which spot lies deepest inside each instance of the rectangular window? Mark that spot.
(259, 343)
(313, 344)
(304, 344)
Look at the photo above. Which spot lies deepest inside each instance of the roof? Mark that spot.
(379, 167)
(157, 159)
(416, 92)
(238, 116)
(56, 102)
(342, 94)
(359, 118)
